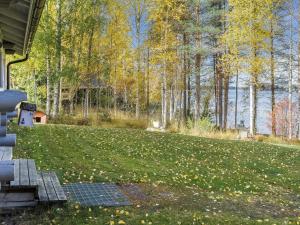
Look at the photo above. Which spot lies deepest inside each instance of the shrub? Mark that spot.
(104, 116)
(63, 119)
(126, 123)
(190, 124)
(204, 125)
(83, 122)
(172, 126)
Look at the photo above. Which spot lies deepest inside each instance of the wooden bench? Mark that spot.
(29, 187)
(16, 200)
(25, 174)
(6, 153)
(49, 188)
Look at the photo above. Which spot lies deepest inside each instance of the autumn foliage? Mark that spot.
(281, 112)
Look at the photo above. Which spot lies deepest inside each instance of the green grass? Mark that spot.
(186, 180)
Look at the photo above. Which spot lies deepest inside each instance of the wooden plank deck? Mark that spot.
(6, 153)
(49, 188)
(25, 174)
(16, 200)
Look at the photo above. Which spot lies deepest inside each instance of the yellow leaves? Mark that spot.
(116, 42)
(121, 222)
(247, 32)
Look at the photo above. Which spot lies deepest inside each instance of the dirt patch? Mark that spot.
(155, 197)
(134, 192)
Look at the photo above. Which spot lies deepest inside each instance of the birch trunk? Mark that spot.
(298, 119)
(87, 92)
(48, 98)
(189, 91)
(198, 66)
(226, 93)
(290, 125)
(56, 96)
(236, 99)
(252, 107)
(273, 103)
(148, 83)
(216, 91)
(48, 71)
(115, 91)
(172, 101)
(138, 18)
(164, 77)
(185, 80)
(220, 93)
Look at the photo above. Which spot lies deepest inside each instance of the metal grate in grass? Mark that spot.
(98, 194)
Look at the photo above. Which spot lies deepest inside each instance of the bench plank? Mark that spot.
(24, 175)
(32, 173)
(58, 189)
(15, 200)
(49, 187)
(16, 182)
(42, 194)
(6, 153)
(16, 197)
(10, 205)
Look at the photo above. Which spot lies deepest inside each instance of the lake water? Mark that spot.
(263, 109)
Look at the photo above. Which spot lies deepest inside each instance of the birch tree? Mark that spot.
(165, 14)
(58, 56)
(246, 37)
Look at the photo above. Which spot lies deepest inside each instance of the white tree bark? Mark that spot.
(290, 126)
(56, 96)
(252, 108)
(298, 119)
(48, 100)
(164, 100)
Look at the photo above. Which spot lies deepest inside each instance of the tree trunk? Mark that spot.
(164, 97)
(298, 119)
(86, 103)
(290, 126)
(185, 66)
(216, 90)
(189, 91)
(273, 103)
(56, 100)
(35, 87)
(148, 83)
(255, 105)
(252, 107)
(48, 71)
(138, 18)
(48, 100)
(115, 91)
(226, 93)
(253, 97)
(87, 91)
(236, 99)
(219, 76)
(137, 101)
(198, 66)
(172, 102)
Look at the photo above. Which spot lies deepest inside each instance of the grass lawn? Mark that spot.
(185, 180)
